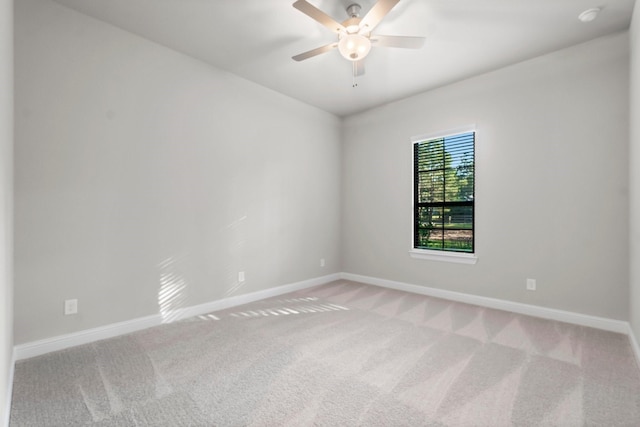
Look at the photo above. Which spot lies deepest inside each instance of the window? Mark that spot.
(443, 216)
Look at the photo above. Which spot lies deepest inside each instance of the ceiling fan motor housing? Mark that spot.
(352, 25)
(354, 10)
(354, 34)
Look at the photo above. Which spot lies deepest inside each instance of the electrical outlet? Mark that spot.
(241, 276)
(531, 284)
(70, 306)
(322, 263)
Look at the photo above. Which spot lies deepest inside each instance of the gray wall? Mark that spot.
(140, 169)
(552, 176)
(634, 176)
(6, 201)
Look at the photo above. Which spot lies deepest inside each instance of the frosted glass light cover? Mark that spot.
(354, 47)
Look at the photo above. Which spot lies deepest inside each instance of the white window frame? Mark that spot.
(444, 256)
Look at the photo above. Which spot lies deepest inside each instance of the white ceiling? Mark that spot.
(256, 39)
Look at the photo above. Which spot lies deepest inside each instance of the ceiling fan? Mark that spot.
(354, 34)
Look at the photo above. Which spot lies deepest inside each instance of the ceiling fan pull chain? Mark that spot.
(355, 38)
(353, 67)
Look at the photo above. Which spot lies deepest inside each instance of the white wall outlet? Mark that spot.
(241, 276)
(322, 263)
(531, 284)
(70, 306)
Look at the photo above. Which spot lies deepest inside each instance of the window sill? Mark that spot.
(460, 258)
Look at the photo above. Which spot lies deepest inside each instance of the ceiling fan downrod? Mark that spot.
(354, 10)
(355, 34)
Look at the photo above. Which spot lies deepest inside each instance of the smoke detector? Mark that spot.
(589, 15)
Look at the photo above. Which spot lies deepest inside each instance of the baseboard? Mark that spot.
(515, 307)
(37, 348)
(225, 303)
(634, 344)
(7, 410)
(40, 347)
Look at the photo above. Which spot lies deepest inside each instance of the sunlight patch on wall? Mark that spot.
(172, 294)
(234, 288)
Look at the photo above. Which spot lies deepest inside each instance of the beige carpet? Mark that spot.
(341, 354)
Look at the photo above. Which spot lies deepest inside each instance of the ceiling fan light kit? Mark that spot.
(354, 47)
(354, 34)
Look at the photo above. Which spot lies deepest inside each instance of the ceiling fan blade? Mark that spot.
(377, 13)
(398, 41)
(315, 52)
(318, 15)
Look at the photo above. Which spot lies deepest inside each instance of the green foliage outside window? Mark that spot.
(444, 193)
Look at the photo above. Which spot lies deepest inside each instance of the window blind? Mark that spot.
(444, 173)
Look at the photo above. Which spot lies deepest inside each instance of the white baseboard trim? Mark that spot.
(40, 347)
(60, 342)
(612, 325)
(7, 410)
(634, 344)
(225, 303)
